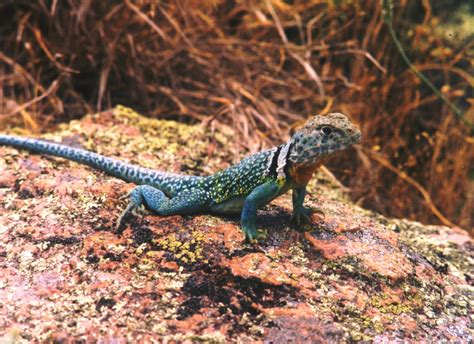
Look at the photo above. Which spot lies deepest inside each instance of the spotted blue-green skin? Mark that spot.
(241, 188)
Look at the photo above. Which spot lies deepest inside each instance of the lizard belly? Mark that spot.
(235, 204)
(231, 206)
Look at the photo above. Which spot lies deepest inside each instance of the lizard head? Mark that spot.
(321, 136)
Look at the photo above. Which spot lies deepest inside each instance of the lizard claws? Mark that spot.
(303, 215)
(136, 200)
(125, 196)
(131, 207)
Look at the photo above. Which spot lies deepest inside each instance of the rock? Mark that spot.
(302, 330)
(66, 272)
(259, 266)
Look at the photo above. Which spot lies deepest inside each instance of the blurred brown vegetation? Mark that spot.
(262, 66)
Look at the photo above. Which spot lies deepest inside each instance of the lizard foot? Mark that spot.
(136, 200)
(251, 233)
(302, 215)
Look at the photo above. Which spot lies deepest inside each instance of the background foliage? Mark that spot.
(263, 67)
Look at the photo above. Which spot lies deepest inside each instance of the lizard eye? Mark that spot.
(326, 130)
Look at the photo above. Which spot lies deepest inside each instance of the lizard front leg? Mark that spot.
(187, 202)
(259, 196)
(301, 213)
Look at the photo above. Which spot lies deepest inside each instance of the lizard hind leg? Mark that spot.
(137, 199)
(187, 202)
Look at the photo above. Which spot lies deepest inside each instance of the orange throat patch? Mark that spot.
(301, 175)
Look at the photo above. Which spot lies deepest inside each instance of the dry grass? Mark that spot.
(261, 66)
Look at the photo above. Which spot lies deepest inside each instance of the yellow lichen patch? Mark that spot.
(188, 250)
(383, 304)
(359, 326)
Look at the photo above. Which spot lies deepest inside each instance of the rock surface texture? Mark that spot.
(66, 273)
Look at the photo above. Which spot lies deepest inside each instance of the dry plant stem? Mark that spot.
(145, 18)
(463, 74)
(104, 74)
(176, 26)
(42, 44)
(17, 67)
(51, 89)
(333, 178)
(306, 65)
(402, 175)
(366, 54)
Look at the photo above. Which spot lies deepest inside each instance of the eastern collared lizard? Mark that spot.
(241, 188)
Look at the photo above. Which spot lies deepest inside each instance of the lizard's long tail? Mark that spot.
(131, 173)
